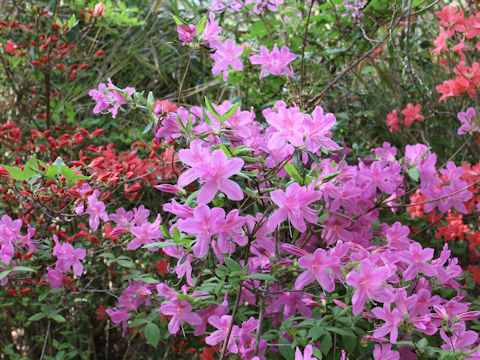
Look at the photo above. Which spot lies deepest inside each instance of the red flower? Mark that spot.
(411, 114)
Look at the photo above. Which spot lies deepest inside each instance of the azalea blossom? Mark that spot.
(275, 62)
(181, 311)
(109, 97)
(226, 56)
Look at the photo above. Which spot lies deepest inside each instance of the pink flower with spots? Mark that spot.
(225, 56)
(417, 258)
(146, 233)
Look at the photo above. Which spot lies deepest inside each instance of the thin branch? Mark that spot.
(302, 67)
(45, 340)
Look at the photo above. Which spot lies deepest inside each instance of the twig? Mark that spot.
(45, 340)
(260, 321)
(183, 81)
(230, 328)
(302, 69)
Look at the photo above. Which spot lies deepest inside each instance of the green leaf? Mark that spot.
(152, 334)
(325, 342)
(201, 26)
(23, 268)
(232, 264)
(158, 244)
(17, 174)
(67, 172)
(287, 352)
(293, 172)
(414, 174)
(178, 21)
(212, 109)
(31, 167)
(37, 316)
(57, 317)
(230, 112)
(316, 332)
(52, 170)
(72, 21)
(176, 234)
(58, 162)
(260, 276)
(127, 264)
(4, 274)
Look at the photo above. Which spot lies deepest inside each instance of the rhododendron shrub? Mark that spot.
(240, 230)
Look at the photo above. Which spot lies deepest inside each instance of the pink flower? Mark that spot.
(186, 33)
(291, 302)
(169, 188)
(145, 233)
(416, 258)
(287, 126)
(317, 131)
(109, 97)
(293, 204)
(392, 121)
(203, 226)
(181, 311)
(215, 173)
(182, 268)
(211, 31)
(99, 9)
(275, 62)
(119, 316)
(223, 325)
(468, 120)
(368, 283)
(96, 209)
(226, 56)
(393, 319)
(385, 352)
(318, 268)
(307, 355)
(68, 257)
(55, 278)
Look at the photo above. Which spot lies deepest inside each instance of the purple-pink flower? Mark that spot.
(294, 205)
(318, 268)
(96, 210)
(186, 33)
(214, 171)
(68, 257)
(181, 311)
(225, 56)
(275, 62)
(307, 355)
(109, 97)
(369, 283)
(392, 321)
